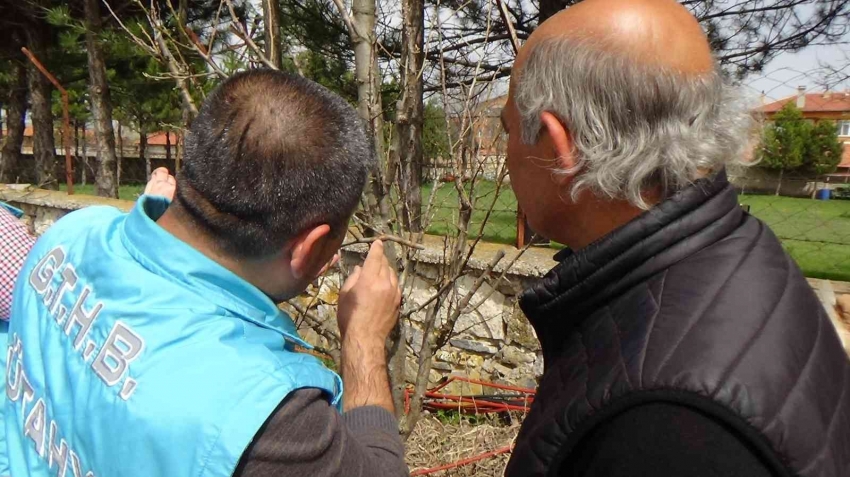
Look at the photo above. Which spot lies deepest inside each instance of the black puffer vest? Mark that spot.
(694, 303)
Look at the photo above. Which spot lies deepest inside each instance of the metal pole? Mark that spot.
(520, 228)
(66, 118)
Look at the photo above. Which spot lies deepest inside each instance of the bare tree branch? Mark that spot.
(239, 30)
(511, 31)
(385, 238)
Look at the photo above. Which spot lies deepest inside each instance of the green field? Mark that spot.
(500, 227)
(816, 233)
(126, 192)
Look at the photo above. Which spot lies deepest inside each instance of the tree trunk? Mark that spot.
(187, 122)
(779, 182)
(10, 155)
(101, 104)
(271, 17)
(85, 164)
(44, 146)
(409, 112)
(368, 80)
(168, 148)
(77, 142)
(179, 73)
(120, 157)
(370, 109)
(143, 145)
(178, 158)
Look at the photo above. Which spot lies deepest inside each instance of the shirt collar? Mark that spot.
(18, 213)
(166, 255)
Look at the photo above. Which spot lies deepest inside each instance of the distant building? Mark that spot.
(819, 106)
(491, 142)
(162, 138)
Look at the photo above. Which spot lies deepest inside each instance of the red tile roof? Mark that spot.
(815, 103)
(158, 138)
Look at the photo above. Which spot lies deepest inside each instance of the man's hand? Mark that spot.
(368, 311)
(369, 299)
(161, 183)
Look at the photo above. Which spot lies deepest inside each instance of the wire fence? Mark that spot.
(809, 215)
(494, 215)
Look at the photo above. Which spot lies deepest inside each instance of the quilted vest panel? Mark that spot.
(694, 303)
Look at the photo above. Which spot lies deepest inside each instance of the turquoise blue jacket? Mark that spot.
(131, 353)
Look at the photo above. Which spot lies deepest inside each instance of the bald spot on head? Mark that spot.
(654, 32)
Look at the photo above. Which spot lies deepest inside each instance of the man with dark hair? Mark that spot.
(154, 345)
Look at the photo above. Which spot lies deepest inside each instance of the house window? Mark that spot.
(844, 128)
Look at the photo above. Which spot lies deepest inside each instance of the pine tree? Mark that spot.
(823, 150)
(785, 139)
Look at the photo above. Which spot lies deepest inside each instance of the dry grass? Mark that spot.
(435, 442)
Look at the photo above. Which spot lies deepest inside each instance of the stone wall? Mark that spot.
(493, 342)
(759, 181)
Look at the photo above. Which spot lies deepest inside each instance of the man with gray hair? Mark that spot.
(678, 336)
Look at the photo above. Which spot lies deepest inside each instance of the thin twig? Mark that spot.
(196, 44)
(385, 238)
(245, 36)
(503, 10)
(316, 323)
(216, 24)
(346, 18)
(138, 41)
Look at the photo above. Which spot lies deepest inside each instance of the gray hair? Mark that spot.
(634, 127)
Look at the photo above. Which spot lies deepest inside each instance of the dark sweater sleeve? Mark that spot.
(307, 436)
(663, 440)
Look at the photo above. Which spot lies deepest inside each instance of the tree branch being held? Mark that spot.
(368, 311)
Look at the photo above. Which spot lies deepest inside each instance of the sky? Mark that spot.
(806, 68)
(780, 79)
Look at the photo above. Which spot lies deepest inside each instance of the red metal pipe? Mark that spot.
(470, 460)
(66, 118)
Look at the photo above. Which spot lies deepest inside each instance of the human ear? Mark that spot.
(559, 140)
(306, 250)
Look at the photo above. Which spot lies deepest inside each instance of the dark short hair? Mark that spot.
(269, 155)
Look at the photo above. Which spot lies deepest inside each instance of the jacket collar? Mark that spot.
(166, 255)
(583, 281)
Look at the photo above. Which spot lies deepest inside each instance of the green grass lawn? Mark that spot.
(501, 225)
(816, 233)
(126, 192)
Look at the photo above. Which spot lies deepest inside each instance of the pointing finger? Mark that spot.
(352, 280)
(375, 259)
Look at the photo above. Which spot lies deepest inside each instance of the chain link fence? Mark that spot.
(494, 205)
(809, 215)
